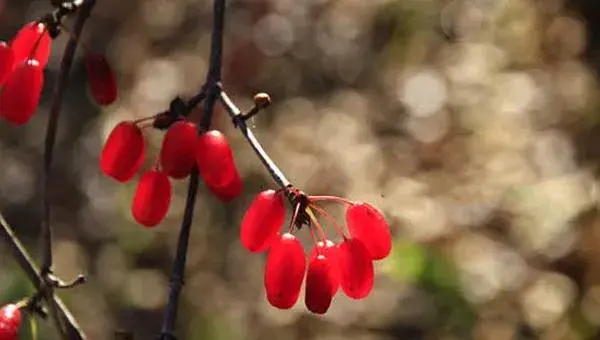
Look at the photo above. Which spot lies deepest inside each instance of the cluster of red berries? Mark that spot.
(348, 264)
(22, 64)
(10, 321)
(182, 148)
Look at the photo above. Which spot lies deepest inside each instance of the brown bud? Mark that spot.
(262, 100)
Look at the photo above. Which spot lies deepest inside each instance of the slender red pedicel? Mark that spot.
(152, 198)
(124, 151)
(20, 94)
(262, 221)
(284, 271)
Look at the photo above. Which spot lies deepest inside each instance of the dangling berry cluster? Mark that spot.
(182, 148)
(10, 321)
(22, 64)
(348, 264)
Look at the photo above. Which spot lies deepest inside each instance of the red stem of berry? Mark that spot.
(330, 218)
(331, 199)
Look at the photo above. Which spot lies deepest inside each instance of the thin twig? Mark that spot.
(240, 123)
(211, 89)
(32, 271)
(61, 85)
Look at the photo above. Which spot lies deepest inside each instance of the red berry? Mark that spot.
(228, 192)
(215, 159)
(11, 315)
(178, 151)
(7, 332)
(7, 62)
(124, 152)
(262, 221)
(284, 271)
(152, 198)
(32, 42)
(330, 251)
(101, 79)
(21, 93)
(356, 269)
(366, 223)
(319, 288)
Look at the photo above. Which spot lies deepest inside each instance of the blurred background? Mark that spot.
(473, 124)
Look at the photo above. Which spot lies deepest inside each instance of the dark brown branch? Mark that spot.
(32, 271)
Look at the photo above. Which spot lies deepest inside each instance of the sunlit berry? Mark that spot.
(7, 62)
(20, 94)
(215, 159)
(10, 321)
(32, 42)
(368, 224)
(262, 221)
(356, 269)
(124, 152)
(330, 251)
(152, 198)
(178, 150)
(101, 79)
(284, 271)
(319, 288)
(229, 191)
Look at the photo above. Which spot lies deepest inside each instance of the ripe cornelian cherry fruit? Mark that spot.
(178, 150)
(319, 288)
(329, 250)
(366, 223)
(20, 94)
(215, 159)
(356, 269)
(101, 79)
(124, 152)
(32, 42)
(229, 191)
(284, 271)
(152, 198)
(10, 321)
(7, 62)
(262, 221)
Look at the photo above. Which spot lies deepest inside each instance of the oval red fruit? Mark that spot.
(152, 198)
(367, 223)
(11, 315)
(7, 332)
(319, 288)
(356, 269)
(215, 159)
(229, 191)
(330, 251)
(20, 94)
(7, 62)
(262, 221)
(32, 42)
(124, 152)
(178, 150)
(284, 271)
(101, 79)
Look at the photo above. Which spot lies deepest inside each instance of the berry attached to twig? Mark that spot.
(178, 151)
(152, 198)
(7, 62)
(20, 95)
(284, 271)
(32, 42)
(123, 152)
(262, 221)
(101, 79)
(366, 223)
(10, 321)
